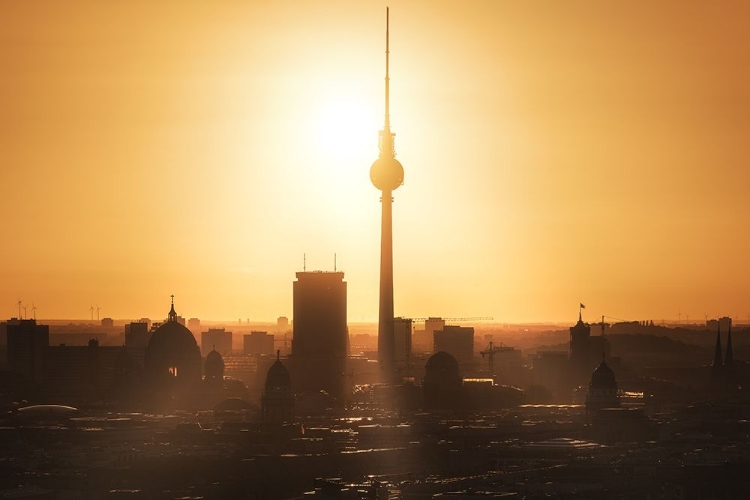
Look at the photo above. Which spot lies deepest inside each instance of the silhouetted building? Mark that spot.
(442, 383)
(723, 324)
(319, 346)
(424, 340)
(76, 375)
(579, 351)
(194, 325)
(282, 324)
(602, 389)
(108, 322)
(258, 343)
(137, 335)
(277, 403)
(458, 341)
(172, 362)
(216, 339)
(402, 331)
(26, 343)
(214, 366)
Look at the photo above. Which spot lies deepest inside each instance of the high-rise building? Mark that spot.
(282, 324)
(194, 325)
(424, 340)
(137, 335)
(386, 174)
(257, 343)
(27, 343)
(216, 339)
(319, 346)
(458, 341)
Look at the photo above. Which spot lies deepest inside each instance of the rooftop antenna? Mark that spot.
(387, 72)
(387, 147)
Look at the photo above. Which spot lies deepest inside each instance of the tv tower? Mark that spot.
(386, 174)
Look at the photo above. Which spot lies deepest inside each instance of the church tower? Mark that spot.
(579, 350)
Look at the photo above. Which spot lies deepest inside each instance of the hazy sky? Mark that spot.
(554, 153)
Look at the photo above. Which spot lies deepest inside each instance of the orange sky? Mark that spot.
(554, 153)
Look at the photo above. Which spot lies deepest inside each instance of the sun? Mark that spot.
(345, 128)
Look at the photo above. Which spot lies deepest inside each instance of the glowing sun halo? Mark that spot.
(345, 128)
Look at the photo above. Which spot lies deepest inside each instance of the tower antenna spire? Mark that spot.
(387, 70)
(387, 148)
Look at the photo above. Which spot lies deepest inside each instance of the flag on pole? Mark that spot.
(583, 306)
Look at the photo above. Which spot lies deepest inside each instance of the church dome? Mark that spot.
(171, 336)
(277, 377)
(603, 377)
(172, 354)
(214, 367)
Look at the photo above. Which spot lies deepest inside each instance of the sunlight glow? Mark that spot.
(344, 127)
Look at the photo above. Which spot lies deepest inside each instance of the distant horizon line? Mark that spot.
(561, 323)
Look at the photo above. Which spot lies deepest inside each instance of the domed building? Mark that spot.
(602, 389)
(442, 383)
(214, 367)
(173, 362)
(277, 402)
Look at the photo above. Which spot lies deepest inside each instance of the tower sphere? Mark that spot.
(387, 174)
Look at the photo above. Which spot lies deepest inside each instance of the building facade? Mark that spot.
(320, 338)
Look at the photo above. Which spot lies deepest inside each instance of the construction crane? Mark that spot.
(490, 353)
(474, 318)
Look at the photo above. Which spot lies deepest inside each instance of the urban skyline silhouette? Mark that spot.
(170, 165)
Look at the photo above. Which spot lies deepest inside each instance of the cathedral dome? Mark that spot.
(603, 377)
(171, 336)
(214, 367)
(172, 354)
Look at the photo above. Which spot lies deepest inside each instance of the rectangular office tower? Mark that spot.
(320, 339)
(27, 345)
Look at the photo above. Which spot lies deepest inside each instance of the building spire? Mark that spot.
(172, 314)
(717, 352)
(387, 138)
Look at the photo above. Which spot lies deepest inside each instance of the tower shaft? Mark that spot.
(386, 342)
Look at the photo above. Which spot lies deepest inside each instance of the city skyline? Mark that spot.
(556, 155)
